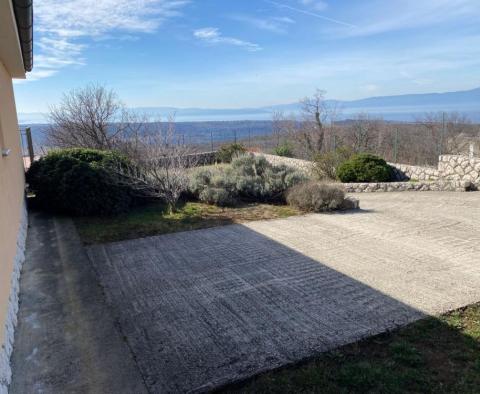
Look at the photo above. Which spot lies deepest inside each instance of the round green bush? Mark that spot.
(365, 168)
(80, 182)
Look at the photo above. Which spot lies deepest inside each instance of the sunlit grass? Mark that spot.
(433, 355)
(153, 219)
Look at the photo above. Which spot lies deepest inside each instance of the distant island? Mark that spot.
(405, 108)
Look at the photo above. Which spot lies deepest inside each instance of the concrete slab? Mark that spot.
(67, 340)
(204, 308)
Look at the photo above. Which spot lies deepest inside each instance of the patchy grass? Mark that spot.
(434, 355)
(153, 219)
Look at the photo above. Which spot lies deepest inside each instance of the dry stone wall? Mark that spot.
(460, 168)
(450, 168)
(405, 172)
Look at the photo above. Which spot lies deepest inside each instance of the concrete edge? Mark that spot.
(6, 348)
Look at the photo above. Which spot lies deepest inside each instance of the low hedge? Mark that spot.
(365, 167)
(80, 182)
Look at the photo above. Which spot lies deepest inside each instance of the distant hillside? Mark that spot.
(466, 97)
(194, 132)
(399, 108)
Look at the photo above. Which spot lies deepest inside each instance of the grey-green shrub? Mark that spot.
(258, 180)
(249, 178)
(316, 197)
(199, 180)
(217, 196)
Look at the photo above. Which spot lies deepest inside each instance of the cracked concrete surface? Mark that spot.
(203, 308)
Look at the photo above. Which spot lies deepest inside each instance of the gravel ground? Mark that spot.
(204, 308)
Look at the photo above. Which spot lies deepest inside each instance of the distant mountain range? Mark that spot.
(399, 108)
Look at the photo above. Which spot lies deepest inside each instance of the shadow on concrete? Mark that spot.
(205, 308)
(355, 212)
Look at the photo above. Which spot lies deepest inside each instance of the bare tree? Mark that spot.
(366, 134)
(278, 126)
(315, 114)
(161, 170)
(316, 129)
(451, 131)
(91, 117)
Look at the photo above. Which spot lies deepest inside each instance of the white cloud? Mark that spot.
(284, 19)
(378, 18)
(347, 74)
(60, 25)
(36, 74)
(272, 24)
(315, 4)
(309, 13)
(212, 35)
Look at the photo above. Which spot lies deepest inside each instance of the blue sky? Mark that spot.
(229, 53)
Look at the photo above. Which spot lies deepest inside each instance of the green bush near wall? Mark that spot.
(80, 182)
(365, 167)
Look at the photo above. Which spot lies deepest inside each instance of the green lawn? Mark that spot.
(153, 220)
(434, 355)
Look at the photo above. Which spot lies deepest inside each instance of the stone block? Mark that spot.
(350, 203)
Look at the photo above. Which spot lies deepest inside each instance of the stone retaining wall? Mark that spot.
(405, 172)
(422, 186)
(461, 172)
(460, 168)
(7, 347)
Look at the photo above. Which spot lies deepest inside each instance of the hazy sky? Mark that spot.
(241, 53)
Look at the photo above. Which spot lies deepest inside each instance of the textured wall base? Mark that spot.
(11, 320)
(425, 186)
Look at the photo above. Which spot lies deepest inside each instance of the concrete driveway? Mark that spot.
(203, 308)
